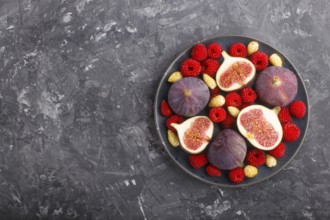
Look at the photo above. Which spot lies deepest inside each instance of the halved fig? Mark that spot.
(234, 73)
(188, 96)
(260, 126)
(194, 133)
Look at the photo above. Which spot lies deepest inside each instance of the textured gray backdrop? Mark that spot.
(77, 84)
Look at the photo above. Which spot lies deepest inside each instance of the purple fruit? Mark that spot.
(188, 96)
(276, 86)
(227, 150)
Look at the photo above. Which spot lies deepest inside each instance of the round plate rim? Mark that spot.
(196, 176)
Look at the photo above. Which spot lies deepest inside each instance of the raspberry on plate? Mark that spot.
(190, 67)
(255, 157)
(298, 109)
(229, 121)
(197, 160)
(260, 60)
(278, 151)
(237, 50)
(165, 109)
(212, 170)
(284, 115)
(236, 175)
(215, 91)
(210, 67)
(217, 114)
(248, 95)
(199, 52)
(291, 132)
(214, 51)
(233, 99)
(173, 119)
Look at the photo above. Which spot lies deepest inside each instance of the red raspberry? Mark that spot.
(190, 67)
(229, 121)
(217, 114)
(233, 99)
(236, 175)
(248, 95)
(199, 52)
(284, 115)
(260, 60)
(212, 170)
(278, 151)
(291, 132)
(215, 91)
(197, 160)
(214, 51)
(298, 109)
(210, 67)
(173, 119)
(255, 157)
(165, 109)
(237, 50)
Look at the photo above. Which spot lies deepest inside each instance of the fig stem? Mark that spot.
(276, 81)
(277, 109)
(225, 54)
(175, 125)
(186, 92)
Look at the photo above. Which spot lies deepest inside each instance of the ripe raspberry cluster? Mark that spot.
(203, 60)
(206, 59)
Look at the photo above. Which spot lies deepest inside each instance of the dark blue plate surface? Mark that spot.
(181, 158)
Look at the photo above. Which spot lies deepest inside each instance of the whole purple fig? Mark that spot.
(276, 86)
(188, 96)
(227, 150)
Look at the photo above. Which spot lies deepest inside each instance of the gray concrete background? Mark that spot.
(77, 84)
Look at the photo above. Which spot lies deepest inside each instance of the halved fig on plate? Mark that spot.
(194, 133)
(234, 73)
(260, 126)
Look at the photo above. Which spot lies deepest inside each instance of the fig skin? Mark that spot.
(188, 96)
(276, 86)
(227, 150)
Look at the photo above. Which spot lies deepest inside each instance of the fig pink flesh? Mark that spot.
(236, 73)
(255, 123)
(195, 136)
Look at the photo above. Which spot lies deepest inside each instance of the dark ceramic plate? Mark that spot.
(181, 158)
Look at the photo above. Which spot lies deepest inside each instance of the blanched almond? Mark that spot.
(275, 60)
(217, 101)
(209, 81)
(252, 47)
(175, 76)
(172, 138)
(233, 111)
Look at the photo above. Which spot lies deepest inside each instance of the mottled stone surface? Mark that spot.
(77, 84)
